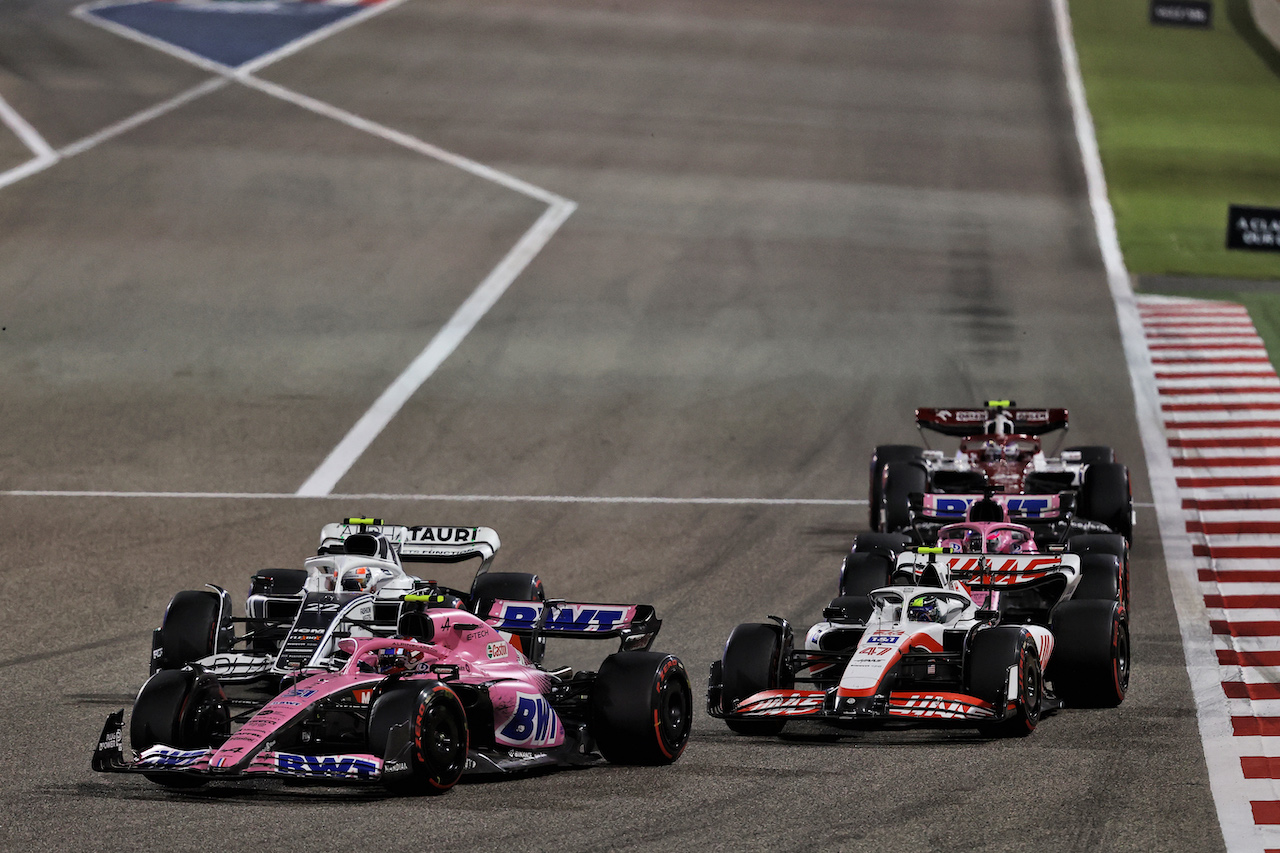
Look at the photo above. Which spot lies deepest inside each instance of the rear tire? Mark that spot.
(1095, 454)
(883, 455)
(508, 586)
(1091, 656)
(1106, 543)
(755, 659)
(901, 480)
(1106, 497)
(182, 708)
(641, 708)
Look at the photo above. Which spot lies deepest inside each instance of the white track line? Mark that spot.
(552, 499)
(1230, 794)
(371, 424)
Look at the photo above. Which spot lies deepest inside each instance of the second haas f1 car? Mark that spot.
(1000, 452)
(441, 692)
(979, 631)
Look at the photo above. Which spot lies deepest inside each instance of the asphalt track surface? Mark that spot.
(797, 221)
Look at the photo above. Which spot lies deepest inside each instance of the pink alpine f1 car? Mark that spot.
(445, 693)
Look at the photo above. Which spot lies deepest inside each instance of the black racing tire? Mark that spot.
(280, 582)
(1091, 655)
(1100, 578)
(991, 653)
(1095, 454)
(871, 542)
(1106, 497)
(862, 572)
(508, 586)
(182, 708)
(196, 624)
(1112, 544)
(901, 480)
(756, 657)
(641, 708)
(883, 455)
(439, 737)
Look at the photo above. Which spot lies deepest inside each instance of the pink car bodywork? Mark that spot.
(521, 717)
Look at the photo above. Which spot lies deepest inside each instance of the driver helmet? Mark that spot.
(360, 579)
(957, 539)
(991, 451)
(1009, 540)
(924, 608)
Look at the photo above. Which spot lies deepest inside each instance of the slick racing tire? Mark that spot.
(438, 735)
(1112, 544)
(883, 455)
(182, 708)
(509, 586)
(991, 654)
(1099, 578)
(641, 708)
(1091, 655)
(196, 624)
(756, 657)
(890, 544)
(901, 480)
(862, 572)
(1106, 497)
(1094, 454)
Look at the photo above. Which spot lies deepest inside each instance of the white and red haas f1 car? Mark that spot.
(978, 638)
(447, 695)
(1000, 455)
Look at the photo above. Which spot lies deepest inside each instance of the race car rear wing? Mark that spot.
(636, 624)
(1021, 508)
(998, 418)
(421, 544)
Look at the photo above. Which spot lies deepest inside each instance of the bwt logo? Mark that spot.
(534, 723)
(1027, 507)
(325, 765)
(568, 617)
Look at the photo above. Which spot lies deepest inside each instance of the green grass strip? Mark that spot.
(1188, 122)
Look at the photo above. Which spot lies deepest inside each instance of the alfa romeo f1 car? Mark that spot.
(443, 692)
(1000, 452)
(967, 633)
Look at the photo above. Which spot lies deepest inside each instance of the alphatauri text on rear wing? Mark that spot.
(418, 544)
